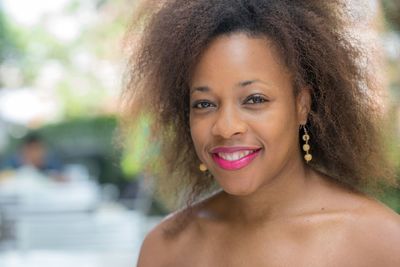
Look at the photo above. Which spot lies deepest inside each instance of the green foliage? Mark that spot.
(392, 199)
(4, 38)
(392, 12)
(140, 152)
(83, 88)
(10, 47)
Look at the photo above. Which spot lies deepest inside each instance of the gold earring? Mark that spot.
(306, 146)
(203, 167)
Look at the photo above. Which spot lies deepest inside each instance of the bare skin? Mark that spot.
(276, 211)
(335, 228)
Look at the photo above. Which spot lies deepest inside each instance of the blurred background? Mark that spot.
(68, 194)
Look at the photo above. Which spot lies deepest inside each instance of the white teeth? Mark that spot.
(235, 155)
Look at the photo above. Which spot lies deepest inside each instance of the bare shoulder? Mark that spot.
(366, 232)
(374, 235)
(158, 247)
(152, 245)
(167, 243)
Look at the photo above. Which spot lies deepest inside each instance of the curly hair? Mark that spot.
(345, 121)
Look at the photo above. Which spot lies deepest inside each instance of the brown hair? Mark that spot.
(344, 122)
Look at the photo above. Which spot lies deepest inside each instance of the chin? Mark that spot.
(238, 184)
(237, 190)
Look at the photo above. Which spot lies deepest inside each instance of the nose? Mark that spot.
(228, 123)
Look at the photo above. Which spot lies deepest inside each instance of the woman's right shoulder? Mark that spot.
(153, 251)
(175, 234)
(163, 243)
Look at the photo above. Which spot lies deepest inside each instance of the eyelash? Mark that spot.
(260, 99)
(256, 99)
(198, 104)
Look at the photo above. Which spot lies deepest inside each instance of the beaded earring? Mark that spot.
(203, 167)
(306, 146)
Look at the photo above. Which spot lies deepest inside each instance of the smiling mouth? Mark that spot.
(235, 155)
(235, 160)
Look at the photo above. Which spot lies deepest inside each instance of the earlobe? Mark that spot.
(303, 104)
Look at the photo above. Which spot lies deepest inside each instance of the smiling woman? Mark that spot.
(266, 99)
(245, 126)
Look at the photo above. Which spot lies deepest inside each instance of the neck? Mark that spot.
(279, 198)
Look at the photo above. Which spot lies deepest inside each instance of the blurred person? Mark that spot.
(268, 101)
(33, 152)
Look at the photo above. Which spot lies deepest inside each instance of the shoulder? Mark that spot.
(158, 242)
(361, 230)
(175, 235)
(374, 235)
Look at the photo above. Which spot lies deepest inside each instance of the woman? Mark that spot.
(269, 100)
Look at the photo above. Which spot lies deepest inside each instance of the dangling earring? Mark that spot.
(203, 167)
(306, 146)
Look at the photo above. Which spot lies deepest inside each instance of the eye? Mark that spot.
(202, 104)
(255, 99)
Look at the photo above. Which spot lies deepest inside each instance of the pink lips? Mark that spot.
(234, 164)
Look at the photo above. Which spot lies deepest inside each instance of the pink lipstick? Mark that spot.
(234, 158)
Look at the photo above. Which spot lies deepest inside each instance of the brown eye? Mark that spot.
(202, 104)
(255, 99)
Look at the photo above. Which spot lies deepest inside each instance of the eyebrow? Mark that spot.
(245, 83)
(240, 84)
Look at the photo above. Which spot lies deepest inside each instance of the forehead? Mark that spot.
(239, 57)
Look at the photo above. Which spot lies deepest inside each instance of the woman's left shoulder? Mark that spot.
(374, 234)
(378, 218)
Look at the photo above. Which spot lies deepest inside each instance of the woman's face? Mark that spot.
(244, 116)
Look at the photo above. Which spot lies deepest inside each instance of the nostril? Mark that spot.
(228, 122)
(228, 130)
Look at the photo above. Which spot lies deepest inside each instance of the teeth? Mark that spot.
(235, 155)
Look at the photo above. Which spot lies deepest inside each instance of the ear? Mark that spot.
(303, 104)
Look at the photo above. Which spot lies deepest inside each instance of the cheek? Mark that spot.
(277, 126)
(198, 133)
